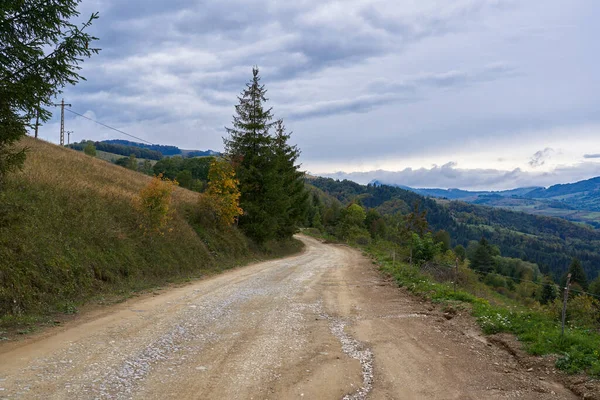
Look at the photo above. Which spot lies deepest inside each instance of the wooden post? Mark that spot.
(564, 310)
(455, 274)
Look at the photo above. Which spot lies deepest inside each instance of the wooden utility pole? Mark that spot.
(564, 310)
(62, 120)
(69, 137)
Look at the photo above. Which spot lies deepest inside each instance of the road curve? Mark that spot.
(319, 325)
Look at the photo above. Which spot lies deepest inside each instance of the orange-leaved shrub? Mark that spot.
(220, 204)
(154, 205)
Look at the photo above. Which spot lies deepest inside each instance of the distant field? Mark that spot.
(543, 207)
(112, 157)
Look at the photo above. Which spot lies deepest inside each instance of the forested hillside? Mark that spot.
(549, 242)
(578, 202)
(120, 149)
(583, 187)
(165, 150)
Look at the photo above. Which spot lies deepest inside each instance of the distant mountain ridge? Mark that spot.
(578, 201)
(166, 150)
(460, 194)
(588, 186)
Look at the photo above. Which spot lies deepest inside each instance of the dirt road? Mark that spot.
(320, 325)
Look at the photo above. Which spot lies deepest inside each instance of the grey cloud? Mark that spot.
(540, 157)
(139, 26)
(396, 80)
(448, 79)
(361, 104)
(464, 78)
(171, 39)
(451, 17)
(407, 91)
(449, 176)
(591, 156)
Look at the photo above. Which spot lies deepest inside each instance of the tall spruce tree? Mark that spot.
(40, 52)
(293, 195)
(273, 196)
(249, 147)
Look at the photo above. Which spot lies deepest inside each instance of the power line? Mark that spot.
(108, 126)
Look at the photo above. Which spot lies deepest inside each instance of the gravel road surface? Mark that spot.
(320, 325)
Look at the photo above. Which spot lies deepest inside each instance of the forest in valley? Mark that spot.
(520, 245)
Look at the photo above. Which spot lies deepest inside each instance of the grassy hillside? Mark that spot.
(112, 157)
(69, 233)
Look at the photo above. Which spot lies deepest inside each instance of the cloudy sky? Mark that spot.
(464, 93)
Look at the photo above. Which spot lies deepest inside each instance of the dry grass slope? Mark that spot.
(69, 232)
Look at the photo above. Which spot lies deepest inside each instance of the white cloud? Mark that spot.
(449, 176)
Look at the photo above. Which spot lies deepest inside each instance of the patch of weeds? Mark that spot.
(68, 308)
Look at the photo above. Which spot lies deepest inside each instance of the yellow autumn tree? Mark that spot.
(154, 205)
(222, 197)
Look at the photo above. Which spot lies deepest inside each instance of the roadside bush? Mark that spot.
(207, 214)
(425, 248)
(154, 205)
(358, 235)
(582, 311)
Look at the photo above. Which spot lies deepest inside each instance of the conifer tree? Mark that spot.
(249, 147)
(292, 192)
(40, 52)
(549, 291)
(577, 275)
(273, 196)
(483, 260)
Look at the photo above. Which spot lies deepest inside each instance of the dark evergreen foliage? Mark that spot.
(483, 260)
(191, 173)
(578, 275)
(120, 149)
(293, 196)
(163, 149)
(40, 53)
(549, 291)
(272, 190)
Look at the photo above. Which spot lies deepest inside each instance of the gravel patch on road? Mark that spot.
(352, 348)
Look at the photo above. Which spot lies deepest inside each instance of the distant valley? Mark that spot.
(577, 202)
